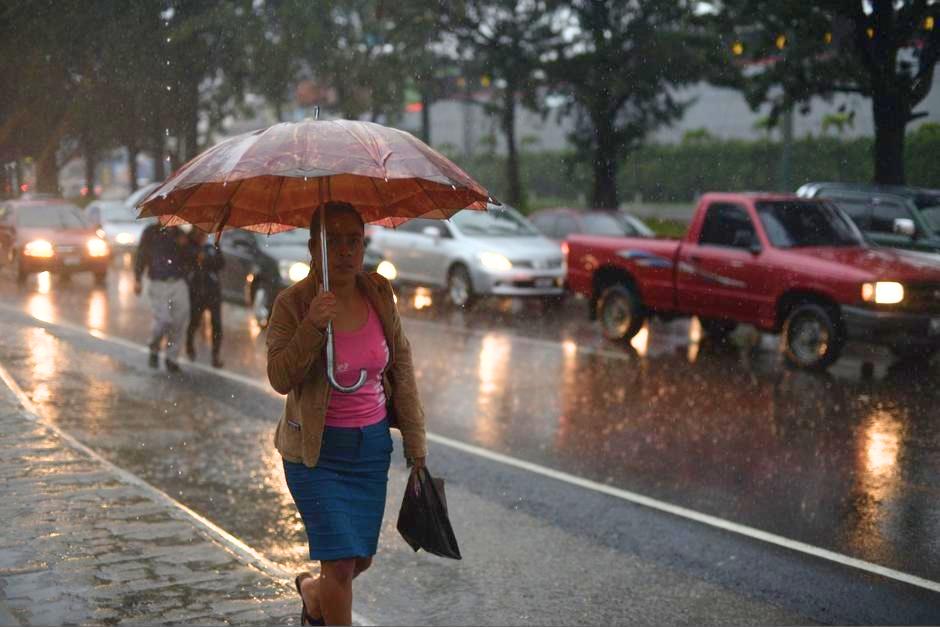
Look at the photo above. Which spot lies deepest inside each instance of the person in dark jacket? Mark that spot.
(164, 254)
(205, 292)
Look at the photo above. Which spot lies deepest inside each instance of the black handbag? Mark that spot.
(423, 521)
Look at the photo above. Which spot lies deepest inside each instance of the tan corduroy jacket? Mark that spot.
(297, 367)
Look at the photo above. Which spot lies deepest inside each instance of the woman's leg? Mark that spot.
(336, 590)
(310, 588)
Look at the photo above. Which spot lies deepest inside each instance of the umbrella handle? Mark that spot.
(363, 374)
(330, 374)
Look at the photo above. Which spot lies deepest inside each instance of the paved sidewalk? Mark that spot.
(82, 543)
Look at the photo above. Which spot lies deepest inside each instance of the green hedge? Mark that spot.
(678, 173)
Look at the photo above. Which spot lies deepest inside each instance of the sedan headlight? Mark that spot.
(38, 248)
(388, 270)
(495, 262)
(97, 247)
(883, 293)
(293, 271)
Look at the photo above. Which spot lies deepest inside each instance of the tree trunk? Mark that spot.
(91, 164)
(512, 157)
(132, 166)
(159, 167)
(604, 194)
(47, 172)
(425, 116)
(891, 117)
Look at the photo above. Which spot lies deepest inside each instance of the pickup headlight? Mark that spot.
(883, 293)
(293, 271)
(38, 248)
(495, 262)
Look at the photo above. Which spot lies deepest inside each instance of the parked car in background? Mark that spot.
(258, 267)
(474, 254)
(50, 235)
(118, 220)
(785, 264)
(888, 215)
(558, 224)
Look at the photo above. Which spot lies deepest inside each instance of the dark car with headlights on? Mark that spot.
(50, 235)
(258, 267)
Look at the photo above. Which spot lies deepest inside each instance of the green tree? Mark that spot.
(505, 40)
(886, 50)
(618, 67)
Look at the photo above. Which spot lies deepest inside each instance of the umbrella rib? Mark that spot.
(277, 197)
(431, 198)
(363, 144)
(377, 192)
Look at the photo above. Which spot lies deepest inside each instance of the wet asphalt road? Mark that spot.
(846, 461)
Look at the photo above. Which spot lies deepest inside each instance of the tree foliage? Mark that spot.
(885, 50)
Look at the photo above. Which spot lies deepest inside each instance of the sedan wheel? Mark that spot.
(460, 287)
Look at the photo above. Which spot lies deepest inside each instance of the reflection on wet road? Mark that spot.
(848, 461)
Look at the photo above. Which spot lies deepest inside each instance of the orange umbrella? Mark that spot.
(273, 180)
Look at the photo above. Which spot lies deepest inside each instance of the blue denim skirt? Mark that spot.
(342, 499)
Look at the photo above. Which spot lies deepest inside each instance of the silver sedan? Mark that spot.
(493, 253)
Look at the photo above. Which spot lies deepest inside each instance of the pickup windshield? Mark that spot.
(794, 224)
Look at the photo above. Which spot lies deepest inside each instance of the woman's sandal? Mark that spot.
(305, 618)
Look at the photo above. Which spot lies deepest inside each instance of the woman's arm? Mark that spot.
(293, 347)
(409, 412)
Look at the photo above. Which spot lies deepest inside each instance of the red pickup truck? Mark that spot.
(788, 265)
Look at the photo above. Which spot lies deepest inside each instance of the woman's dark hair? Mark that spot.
(334, 207)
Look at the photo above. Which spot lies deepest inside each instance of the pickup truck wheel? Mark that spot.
(812, 336)
(620, 312)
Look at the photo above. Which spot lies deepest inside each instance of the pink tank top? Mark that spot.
(353, 351)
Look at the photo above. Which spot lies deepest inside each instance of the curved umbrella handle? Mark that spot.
(330, 375)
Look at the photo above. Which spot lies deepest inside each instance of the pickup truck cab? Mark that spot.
(785, 264)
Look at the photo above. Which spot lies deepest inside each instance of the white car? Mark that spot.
(118, 219)
(493, 253)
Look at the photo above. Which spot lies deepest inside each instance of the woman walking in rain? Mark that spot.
(336, 446)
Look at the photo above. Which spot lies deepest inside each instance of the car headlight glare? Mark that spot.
(883, 293)
(495, 261)
(97, 247)
(388, 270)
(293, 271)
(38, 248)
(125, 239)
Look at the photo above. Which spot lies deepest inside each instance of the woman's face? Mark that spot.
(345, 243)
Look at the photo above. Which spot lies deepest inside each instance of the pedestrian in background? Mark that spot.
(164, 254)
(205, 292)
(336, 447)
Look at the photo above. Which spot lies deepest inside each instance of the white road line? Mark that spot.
(626, 495)
(233, 544)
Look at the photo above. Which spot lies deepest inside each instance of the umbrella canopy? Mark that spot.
(273, 179)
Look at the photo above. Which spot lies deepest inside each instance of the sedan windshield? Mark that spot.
(798, 224)
(51, 217)
(493, 223)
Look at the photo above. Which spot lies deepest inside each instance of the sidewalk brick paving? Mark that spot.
(79, 545)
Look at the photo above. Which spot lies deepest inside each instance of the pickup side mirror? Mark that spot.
(756, 248)
(905, 227)
(432, 231)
